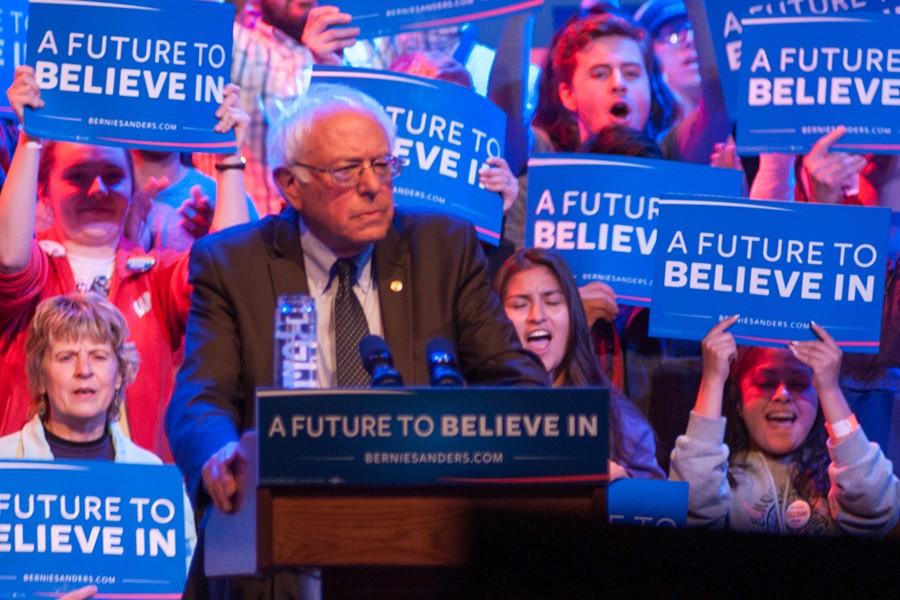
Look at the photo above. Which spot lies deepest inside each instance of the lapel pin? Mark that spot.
(396, 285)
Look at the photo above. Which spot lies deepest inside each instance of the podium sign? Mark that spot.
(433, 437)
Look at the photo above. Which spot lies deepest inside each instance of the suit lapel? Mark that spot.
(392, 272)
(286, 269)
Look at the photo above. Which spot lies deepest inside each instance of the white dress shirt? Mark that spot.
(318, 260)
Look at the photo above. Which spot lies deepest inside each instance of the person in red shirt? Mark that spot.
(90, 190)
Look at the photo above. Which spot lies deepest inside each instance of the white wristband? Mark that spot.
(842, 428)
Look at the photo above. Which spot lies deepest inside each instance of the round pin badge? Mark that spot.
(396, 285)
(797, 514)
(139, 264)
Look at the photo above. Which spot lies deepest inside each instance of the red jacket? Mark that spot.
(152, 291)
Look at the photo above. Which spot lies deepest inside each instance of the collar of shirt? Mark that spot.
(319, 259)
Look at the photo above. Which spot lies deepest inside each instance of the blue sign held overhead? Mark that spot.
(67, 525)
(433, 437)
(132, 73)
(387, 17)
(779, 265)
(13, 33)
(802, 77)
(445, 133)
(599, 212)
(724, 19)
(648, 503)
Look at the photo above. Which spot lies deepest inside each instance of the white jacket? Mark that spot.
(31, 443)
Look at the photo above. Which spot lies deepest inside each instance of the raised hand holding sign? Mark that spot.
(136, 74)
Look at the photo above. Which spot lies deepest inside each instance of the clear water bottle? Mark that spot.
(295, 342)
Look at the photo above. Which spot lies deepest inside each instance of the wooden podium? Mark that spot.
(284, 527)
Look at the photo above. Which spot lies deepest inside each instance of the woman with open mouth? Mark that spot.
(799, 462)
(541, 300)
(78, 363)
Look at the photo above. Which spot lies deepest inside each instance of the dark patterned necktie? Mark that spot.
(350, 326)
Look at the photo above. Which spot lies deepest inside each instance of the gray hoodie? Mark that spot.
(864, 498)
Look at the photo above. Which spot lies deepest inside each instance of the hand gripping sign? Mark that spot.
(133, 73)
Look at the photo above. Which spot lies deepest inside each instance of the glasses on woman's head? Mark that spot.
(676, 34)
(348, 174)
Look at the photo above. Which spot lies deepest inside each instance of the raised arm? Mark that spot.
(18, 197)
(700, 457)
(864, 497)
(325, 40)
(231, 203)
(827, 175)
(719, 349)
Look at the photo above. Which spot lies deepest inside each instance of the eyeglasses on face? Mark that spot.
(676, 34)
(348, 174)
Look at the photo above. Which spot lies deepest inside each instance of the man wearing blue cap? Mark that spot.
(673, 43)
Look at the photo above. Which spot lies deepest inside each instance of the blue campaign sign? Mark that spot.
(724, 19)
(599, 212)
(66, 525)
(445, 132)
(433, 437)
(801, 77)
(387, 17)
(779, 265)
(648, 502)
(132, 73)
(13, 31)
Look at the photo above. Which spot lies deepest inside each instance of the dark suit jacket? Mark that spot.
(238, 274)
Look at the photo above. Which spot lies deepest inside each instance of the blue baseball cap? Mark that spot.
(653, 14)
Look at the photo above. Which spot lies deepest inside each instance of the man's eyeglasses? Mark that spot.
(348, 175)
(676, 35)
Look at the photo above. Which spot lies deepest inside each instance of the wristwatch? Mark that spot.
(224, 166)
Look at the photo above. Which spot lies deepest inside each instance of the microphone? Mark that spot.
(442, 364)
(377, 360)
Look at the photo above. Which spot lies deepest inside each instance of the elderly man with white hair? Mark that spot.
(408, 278)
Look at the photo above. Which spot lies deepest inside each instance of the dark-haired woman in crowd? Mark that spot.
(540, 298)
(796, 459)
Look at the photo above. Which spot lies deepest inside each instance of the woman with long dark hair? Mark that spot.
(796, 459)
(541, 299)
